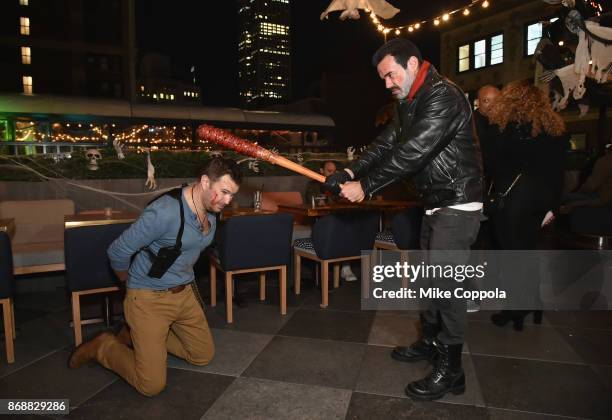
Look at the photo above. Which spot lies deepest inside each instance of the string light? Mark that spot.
(167, 136)
(465, 11)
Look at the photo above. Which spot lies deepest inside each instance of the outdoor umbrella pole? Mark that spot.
(244, 147)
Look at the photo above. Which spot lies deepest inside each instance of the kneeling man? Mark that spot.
(162, 306)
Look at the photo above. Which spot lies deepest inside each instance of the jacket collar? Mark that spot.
(419, 80)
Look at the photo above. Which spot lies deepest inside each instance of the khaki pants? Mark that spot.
(160, 322)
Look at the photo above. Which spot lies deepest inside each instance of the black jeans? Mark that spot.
(449, 230)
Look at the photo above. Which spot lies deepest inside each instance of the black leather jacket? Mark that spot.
(432, 139)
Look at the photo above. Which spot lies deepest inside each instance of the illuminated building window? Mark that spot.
(141, 88)
(171, 97)
(273, 29)
(497, 49)
(25, 25)
(26, 57)
(481, 53)
(533, 33)
(27, 84)
(161, 95)
(23, 2)
(155, 96)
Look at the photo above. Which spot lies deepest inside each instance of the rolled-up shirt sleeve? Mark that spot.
(151, 225)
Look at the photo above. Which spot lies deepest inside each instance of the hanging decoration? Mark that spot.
(350, 153)
(94, 156)
(436, 21)
(252, 163)
(350, 8)
(594, 52)
(150, 183)
(592, 57)
(119, 149)
(570, 81)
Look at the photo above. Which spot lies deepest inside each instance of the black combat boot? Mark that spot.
(446, 376)
(421, 349)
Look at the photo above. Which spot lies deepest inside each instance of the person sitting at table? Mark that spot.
(163, 310)
(314, 190)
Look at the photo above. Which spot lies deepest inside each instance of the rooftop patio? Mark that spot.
(314, 363)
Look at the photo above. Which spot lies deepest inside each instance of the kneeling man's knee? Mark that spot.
(151, 387)
(203, 357)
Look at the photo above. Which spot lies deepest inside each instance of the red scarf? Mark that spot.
(419, 80)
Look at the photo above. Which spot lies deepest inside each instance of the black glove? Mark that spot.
(334, 181)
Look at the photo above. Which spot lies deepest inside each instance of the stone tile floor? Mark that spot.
(324, 364)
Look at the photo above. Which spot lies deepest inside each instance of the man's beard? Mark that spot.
(405, 90)
(409, 82)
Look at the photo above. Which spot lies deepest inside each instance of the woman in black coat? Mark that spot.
(529, 165)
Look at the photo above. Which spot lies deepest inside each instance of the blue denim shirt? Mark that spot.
(158, 227)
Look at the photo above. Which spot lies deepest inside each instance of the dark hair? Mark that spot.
(218, 166)
(400, 49)
(325, 162)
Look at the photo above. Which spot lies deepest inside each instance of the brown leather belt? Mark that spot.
(175, 289)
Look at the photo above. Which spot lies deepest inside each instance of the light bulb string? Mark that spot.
(465, 10)
(444, 17)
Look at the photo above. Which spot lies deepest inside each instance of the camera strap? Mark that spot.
(175, 193)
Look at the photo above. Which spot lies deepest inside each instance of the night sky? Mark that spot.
(204, 33)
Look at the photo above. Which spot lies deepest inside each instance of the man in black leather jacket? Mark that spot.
(431, 139)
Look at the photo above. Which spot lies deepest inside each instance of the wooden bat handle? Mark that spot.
(292, 166)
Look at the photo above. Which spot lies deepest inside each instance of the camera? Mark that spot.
(163, 260)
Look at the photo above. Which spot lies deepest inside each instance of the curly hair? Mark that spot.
(523, 103)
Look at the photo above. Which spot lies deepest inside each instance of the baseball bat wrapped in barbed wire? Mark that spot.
(245, 147)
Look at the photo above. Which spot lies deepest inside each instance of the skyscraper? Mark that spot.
(264, 50)
(77, 47)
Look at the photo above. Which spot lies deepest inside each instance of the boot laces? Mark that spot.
(442, 363)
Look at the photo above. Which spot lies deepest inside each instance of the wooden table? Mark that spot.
(99, 218)
(243, 211)
(8, 226)
(306, 210)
